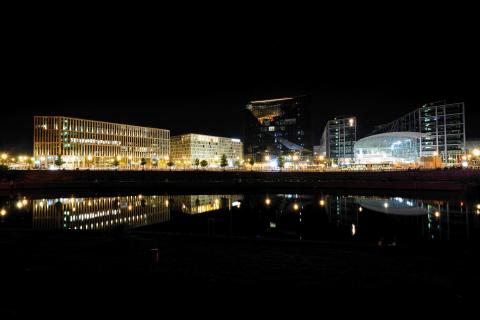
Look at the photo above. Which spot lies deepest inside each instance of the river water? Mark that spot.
(383, 220)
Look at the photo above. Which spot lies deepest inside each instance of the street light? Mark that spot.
(4, 156)
(476, 152)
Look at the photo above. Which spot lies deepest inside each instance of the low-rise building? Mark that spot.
(188, 148)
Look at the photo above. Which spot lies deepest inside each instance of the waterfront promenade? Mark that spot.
(412, 180)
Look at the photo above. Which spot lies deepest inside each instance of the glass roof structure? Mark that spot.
(390, 147)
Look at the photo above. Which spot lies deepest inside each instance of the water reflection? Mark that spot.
(104, 213)
(395, 205)
(383, 220)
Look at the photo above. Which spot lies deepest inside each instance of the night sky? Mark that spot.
(198, 76)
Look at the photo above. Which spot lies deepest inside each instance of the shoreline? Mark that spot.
(453, 180)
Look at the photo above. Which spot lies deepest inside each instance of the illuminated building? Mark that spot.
(88, 143)
(187, 148)
(442, 126)
(338, 139)
(278, 126)
(388, 148)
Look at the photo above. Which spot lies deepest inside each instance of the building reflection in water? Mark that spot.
(293, 215)
(427, 219)
(197, 204)
(104, 213)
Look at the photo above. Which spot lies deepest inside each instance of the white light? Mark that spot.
(273, 163)
(268, 201)
(354, 230)
(3, 212)
(236, 204)
(360, 209)
(322, 203)
(464, 164)
(385, 205)
(476, 152)
(295, 207)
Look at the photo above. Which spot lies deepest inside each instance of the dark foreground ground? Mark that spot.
(128, 261)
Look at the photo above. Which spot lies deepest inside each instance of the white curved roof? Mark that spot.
(397, 134)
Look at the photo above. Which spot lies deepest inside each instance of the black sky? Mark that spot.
(195, 72)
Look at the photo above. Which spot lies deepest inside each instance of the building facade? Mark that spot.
(442, 126)
(187, 148)
(278, 127)
(84, 143)
(338, 140)
(389, 148)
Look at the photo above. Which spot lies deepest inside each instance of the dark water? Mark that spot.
(386, 220)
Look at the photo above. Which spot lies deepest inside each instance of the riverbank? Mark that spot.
(434, 180)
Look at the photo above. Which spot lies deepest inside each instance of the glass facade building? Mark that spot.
(442, 126)
(88, 143)
(185, 149)
(278, 126)
(389, 148)
(338, 139)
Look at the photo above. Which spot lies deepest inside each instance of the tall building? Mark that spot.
(88, 143)
(278, 126)
(185, 149)
(338, 139)
(442, 126)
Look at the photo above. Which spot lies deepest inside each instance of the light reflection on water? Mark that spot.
(386, 220)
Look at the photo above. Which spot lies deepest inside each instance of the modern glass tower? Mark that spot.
(278, 126)
(338, 139)
(442, 126)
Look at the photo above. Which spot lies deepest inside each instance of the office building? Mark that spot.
(338, 140)
(187, 148)
(97, 144)
(278, 127)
